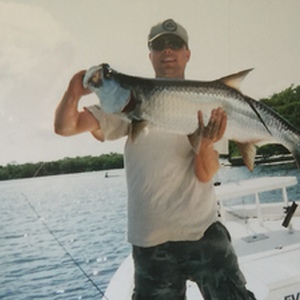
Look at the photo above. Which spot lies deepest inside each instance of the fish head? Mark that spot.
(95, 77)
(112, 95)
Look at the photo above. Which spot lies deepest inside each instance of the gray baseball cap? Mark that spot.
(168, 26)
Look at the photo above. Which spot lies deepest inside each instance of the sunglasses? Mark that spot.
(161, 44)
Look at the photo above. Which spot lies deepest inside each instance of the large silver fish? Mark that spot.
(172, 105)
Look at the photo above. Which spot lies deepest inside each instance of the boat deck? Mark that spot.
(268, 252)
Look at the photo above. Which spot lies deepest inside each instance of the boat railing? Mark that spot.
(253, 186)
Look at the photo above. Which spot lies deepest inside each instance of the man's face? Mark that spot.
(169, 56)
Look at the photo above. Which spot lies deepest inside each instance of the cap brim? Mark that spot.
(161, 34)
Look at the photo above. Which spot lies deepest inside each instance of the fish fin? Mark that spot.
(195, 140)
(248, 152)
(135, 129)
(234, 80)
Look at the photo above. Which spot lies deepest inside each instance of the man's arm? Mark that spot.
(68, 120)
(207, 161)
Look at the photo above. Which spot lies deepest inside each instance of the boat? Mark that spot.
(265, 235)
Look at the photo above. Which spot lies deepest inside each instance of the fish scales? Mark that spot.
(175, 108)
(172, 105)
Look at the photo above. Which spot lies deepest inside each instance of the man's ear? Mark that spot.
(188, 54)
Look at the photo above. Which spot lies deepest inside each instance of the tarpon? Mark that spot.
(172, 105)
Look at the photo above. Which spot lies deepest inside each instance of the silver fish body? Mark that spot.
(172, 105)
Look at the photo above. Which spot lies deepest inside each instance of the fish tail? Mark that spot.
(294, 146)
(296, 154)
(294, 143)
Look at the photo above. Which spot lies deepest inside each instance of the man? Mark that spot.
(172, 211)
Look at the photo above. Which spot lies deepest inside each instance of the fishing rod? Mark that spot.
(58, 241)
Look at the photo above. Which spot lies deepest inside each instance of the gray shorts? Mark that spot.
(161, 272)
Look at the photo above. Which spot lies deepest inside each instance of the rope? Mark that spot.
(59, 243)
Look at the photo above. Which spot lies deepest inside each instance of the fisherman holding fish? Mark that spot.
(172, 211)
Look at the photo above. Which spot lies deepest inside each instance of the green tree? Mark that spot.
(63, 166)
(287, 104)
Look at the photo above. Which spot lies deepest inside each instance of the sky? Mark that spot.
(43, 43)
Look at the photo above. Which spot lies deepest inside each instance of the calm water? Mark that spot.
(87, 214)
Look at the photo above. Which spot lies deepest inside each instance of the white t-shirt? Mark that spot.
(166, 201)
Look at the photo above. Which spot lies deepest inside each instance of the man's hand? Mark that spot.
(207, 160)
(215, 128)
(68, 120)
(75, 88)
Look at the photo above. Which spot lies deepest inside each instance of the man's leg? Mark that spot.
(157, 276)
(213, 264)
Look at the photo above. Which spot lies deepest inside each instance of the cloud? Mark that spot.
(34, 48)
(28, 33)
(35, 52)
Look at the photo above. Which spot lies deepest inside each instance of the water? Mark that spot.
(87, 214)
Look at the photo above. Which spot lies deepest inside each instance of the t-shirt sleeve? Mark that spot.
(112, 126)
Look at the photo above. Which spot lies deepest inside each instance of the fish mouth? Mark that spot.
(96, 79)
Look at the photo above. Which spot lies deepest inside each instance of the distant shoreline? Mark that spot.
(64, 166)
